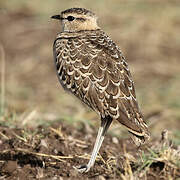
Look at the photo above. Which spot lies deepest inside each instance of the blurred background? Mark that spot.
(146, 31)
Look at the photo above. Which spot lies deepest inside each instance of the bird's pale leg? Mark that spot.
(105, 123)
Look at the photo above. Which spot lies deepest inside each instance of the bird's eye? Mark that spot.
(70, 18)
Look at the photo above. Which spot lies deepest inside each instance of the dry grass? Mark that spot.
(42, 151)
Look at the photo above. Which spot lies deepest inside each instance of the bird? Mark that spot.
(92, 67)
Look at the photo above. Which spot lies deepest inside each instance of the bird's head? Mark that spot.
(77, 19)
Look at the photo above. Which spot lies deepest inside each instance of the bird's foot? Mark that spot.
(82, 168)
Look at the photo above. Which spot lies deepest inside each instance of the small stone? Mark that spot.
(43, 143)
(115, 140)
(10, 166)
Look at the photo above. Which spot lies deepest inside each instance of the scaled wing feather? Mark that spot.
(92, 67)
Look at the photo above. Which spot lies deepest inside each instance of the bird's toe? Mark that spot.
(82, 168)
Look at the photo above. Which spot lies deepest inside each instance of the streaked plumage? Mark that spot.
(91, 66)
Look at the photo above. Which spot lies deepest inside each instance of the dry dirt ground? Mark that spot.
(51, 152)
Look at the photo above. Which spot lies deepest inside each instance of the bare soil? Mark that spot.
(52, 152)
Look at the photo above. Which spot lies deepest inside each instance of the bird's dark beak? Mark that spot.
(56, 17)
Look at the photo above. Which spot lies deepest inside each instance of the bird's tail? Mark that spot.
(139, 140)
(136, 126)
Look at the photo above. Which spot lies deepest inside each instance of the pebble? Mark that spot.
(115, 140)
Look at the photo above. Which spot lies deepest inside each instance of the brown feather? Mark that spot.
(91, 66)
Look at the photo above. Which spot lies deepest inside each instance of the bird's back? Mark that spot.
(91, 66)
